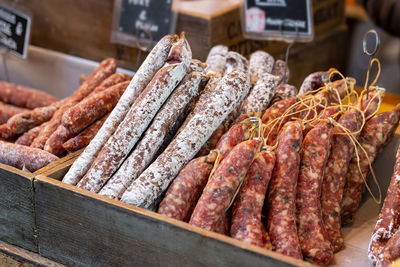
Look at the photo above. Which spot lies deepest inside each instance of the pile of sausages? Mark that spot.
(230, 147)
(35, 137)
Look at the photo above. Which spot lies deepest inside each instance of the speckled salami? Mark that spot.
(314, 240)
(197, 65)
(27, 138)
(24, 97)
(391, 251)
(112, 80)
(92, 108)
(145, 190)
(216, 59)
(22, 122)
(7, 111)
(261, 94)
(235, 60)
(281, 218)
(246, 212)
(21, 157)
(389, 217)
(281, 69)
(260, 62)
(185, 190)
(84, 138)
(314, 81)
(212, 141)
(284, 91)
(153, 62)
(370, 104)
(236, 134)
(377, 132)
(219, 191)
(138, 118)
(153, 138)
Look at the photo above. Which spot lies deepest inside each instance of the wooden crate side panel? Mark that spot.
(82, 228)
(17, 220)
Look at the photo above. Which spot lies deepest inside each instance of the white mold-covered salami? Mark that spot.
(260, 62)
(153, 138)
(154, 61)
(216, 59)
(149, 186)
(138, 118)
(235, 60)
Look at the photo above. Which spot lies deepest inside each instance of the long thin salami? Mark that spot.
(145, 190)
(389, 217)
(377, 132)
(154, 61)
(260, 62)
(112, 80)
(7, 111)
(219, 191)
(20, 156)
(27, 138)
(282, 192)
(216, 59)
(246, 212)
(152, 139)
(314, 241)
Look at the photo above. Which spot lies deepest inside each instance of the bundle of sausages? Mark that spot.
(55, 126)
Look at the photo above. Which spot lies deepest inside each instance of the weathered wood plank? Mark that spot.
(17, 220)
(80, 228)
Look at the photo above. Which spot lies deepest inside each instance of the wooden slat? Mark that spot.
(80, 228)
(57, 168)
(17, 221)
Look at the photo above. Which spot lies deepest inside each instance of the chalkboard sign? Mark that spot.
(14, 30)
(142, 23)
(278, 19)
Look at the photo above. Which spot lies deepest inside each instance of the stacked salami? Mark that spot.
(54, 126)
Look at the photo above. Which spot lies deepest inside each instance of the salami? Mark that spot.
(281, 69)
(152, 139)
(235, 60)
(84, 138)
(24, 157)
(27, 138)
(197, 65)
(7, 111)
(154, 61)
(261, 94)
(138, 118)
(281, 220)
(24, 97)
(5, 133)
(219, 191)
(284, 91)
(314, 241)
(246, 212)
(314, 81)
(260, 63)
(236, 134)
(216, 59)
(186, 189)
(212, 141)
(389, 217)
(391, 251)
(112, 80)
(377, 132)
(145, 190)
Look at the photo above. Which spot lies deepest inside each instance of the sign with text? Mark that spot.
(278, 20)
(142, 23)
(15, 30)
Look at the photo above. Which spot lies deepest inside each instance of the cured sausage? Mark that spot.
(138, 118)
(261, 94)
(281, 219)
(281, 69)
(25, 97)
(212, 141)
(27, 138)
(152, 139)
(7, 111)
(186, 189)
(389, 217)
(84, 138)
(197, 65)
(260, 62)
(235, 60)
(377, 132)
(314, 81)
(153, 62)
(246, 212)
(216, 59)
(112, 80)
(314, 241)
(145, 190)
(284, 91)
(219, 191)
(22, 157)
(391, 251)
(236, 134)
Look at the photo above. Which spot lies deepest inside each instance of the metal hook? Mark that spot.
(142, 47)
(370, 53)
(291, 41)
